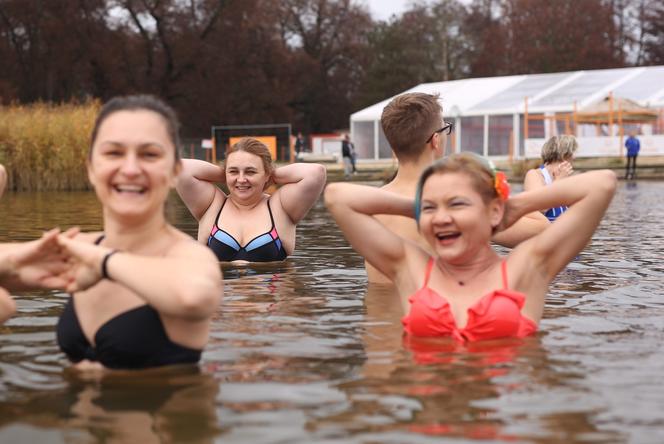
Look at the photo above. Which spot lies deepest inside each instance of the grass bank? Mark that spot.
(44, 147)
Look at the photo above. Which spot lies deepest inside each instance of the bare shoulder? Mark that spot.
(185, 245)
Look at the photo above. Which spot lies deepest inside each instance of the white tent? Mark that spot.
(489, 112)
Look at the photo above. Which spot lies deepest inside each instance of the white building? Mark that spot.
(489, 112)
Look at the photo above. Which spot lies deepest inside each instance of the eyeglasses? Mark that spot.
(447, 128)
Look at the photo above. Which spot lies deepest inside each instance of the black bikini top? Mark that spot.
(133, 339)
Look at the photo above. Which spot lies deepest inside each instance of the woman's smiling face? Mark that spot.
(455, 220)
(245, 175)
(132, 166)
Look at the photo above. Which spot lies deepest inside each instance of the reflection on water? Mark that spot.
(307, 352)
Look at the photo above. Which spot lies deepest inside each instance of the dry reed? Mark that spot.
(44, 147)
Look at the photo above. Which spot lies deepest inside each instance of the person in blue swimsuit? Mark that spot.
(143, 292)
(557, 156)
(249, 225)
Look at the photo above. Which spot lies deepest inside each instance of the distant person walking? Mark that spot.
(299, 145)
(348, 153)
(633, 146)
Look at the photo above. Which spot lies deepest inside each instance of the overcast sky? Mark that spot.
(383, 9)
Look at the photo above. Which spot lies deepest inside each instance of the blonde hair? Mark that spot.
(559, 149)
(255, 147)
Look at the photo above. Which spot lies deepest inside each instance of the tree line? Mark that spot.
(307, 62)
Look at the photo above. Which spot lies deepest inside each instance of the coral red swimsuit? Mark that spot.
(495, 315)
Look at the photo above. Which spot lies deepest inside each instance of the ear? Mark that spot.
(496, 212)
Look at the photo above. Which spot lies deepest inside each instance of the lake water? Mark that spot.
(306, 352)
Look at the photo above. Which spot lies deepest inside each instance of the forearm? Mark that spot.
(176, 286)
(526, 227)
(201, 170)
(296, 172)
(566, 192)
(367, 200)
(7, 306)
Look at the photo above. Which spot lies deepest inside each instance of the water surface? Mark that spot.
(307, 352)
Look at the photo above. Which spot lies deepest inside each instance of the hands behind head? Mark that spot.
(563, 170)
(54, 261)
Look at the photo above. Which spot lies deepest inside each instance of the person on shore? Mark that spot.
(557, 156)
(143, 292)
(413, 125)
(633, 147)
(249, 225)
(299, 145)
(348, 155)
(3, 179)
(459, 286)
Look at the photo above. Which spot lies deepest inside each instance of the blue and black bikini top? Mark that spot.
(266, 247)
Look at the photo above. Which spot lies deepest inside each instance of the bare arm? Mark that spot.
(7, 305)
(186, 283)
(523, 229)
(588, 195)
(196, 185)
(301, 184)
(3, 179)
(353, 207)
(37, 264)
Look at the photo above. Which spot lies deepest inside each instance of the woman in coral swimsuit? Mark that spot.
(466, 290)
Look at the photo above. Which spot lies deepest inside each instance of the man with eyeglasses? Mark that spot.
(413, 125)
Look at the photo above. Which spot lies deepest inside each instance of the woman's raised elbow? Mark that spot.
(198, 297)
(608, 182)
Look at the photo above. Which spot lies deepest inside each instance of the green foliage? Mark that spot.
(44, 147)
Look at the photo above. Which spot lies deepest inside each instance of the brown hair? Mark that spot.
(141, 102)
(255, 147)
(480, 170)
(408, 121)
(559, 148)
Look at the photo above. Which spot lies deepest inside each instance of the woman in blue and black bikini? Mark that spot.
(249, 225)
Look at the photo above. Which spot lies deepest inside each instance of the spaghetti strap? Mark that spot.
(269, 210)
(503, 267)
(99, 239)
(428, 272)
(216, 221)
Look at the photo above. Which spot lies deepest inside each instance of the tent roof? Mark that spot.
(555, 92)
(625, 109)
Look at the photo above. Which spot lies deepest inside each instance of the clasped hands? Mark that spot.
(54, 261)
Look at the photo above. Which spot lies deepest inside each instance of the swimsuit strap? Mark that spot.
(99, 239)
(216, 221)
(427, 273)
(503, 267)
(548, 180)
(269, 210)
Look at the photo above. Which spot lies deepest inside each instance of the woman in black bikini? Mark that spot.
(249, 225)
(143, 291)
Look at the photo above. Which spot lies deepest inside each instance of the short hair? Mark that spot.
(255, 147)
(140, 102)
(559, 148)
(408, 121)
(481, 172)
